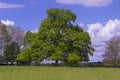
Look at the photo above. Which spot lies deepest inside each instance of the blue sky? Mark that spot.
(101, 18)
(32, 12)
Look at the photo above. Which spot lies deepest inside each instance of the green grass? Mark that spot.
(57, 73)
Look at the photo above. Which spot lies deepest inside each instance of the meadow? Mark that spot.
(57, 73)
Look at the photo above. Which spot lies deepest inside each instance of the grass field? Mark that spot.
(57, 73)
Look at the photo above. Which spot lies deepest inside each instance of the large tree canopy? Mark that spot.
(59, 39)
(65, 41)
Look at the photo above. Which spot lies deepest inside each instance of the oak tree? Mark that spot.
(65, 41)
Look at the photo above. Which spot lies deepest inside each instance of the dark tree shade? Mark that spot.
(11, 51)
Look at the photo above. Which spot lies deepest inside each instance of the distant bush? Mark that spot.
(94, 64)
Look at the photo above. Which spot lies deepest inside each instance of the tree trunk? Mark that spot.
(11, 63)
(115, 62)
(7, 63)
(56, 62)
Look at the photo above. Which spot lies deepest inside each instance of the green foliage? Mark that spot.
(25, 56)
(37, 55)
(33, 50)
(1, 59)
(58, 39)
(62, 37)
(28, 55)
(11, 52)
(28, 38)
(73, 57)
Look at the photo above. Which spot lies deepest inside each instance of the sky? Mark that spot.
(100, 18)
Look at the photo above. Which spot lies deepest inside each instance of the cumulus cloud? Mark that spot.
(10, 5)
(7, 22)
(87, 3)
(100, 34)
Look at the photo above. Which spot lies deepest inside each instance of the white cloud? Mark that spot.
(100, 34)
(10, 5)
(7, 22)
(87, 3)
(35, 31)
(81, 24)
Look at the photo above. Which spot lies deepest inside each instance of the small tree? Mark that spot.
(11, 52)
(25, 56)
(28, 55)
(112, 52)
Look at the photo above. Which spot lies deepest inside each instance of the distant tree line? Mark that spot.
(58, 39)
